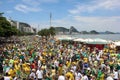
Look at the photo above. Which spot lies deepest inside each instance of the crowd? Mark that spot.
(41, 58)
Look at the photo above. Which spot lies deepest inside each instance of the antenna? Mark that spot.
(50, 18)
(38, 28)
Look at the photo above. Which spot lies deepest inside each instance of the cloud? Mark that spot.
(49, 1)
(82, 23)
(9, 11)
(96, 5)
(25, 8)
(31, 2)
(38, 2)
(90, 23)
(32, 5)
(96, 19)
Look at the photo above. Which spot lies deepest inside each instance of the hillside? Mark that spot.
(61, 29)
(74, 30)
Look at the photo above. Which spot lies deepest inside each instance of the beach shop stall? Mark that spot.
(97, 43)
(92, 43)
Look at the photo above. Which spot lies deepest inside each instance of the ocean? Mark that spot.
(114, 37)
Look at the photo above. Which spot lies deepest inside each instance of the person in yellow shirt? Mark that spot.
(26, 68)
(69, 75)
(53, 71)
(17, 68)
(85, 59)
(60, 69)
(11, 72)
(68, 63)
(102, 76)
(111, 63)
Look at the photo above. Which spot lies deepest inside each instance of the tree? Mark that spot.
(52, 31)
(47, 32)
(1, 14)
(44, 32)
(6, 30)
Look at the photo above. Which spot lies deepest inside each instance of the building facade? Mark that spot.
(23, 27)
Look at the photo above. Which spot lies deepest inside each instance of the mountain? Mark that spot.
(72, 29)
(84, 32)
(107, 32)
(61, 29)
(93, 32)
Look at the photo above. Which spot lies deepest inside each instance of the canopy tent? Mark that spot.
(79, 40)
(89, 40)
(117, 43)
(67, 38)
(98, 41)
(92, 41)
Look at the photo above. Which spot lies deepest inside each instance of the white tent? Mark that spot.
(97, 41)
(79, 40)
(117, 43)
(65, 38)
(89, 40)
(92, 41)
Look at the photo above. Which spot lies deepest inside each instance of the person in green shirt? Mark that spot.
(118, 56)
(99, 74)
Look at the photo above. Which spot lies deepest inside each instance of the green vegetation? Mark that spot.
(52, 31)
(6, 30)
(47, 32)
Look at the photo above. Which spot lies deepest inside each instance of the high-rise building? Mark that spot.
(23, 27)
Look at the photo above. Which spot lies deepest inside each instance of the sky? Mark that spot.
(84, 15)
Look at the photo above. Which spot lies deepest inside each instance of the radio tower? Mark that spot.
(50, 18)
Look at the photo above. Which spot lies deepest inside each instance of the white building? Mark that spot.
(23, 27)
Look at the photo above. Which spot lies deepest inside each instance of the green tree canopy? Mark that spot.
(47, 32)
(6, 29)
(52, 31)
